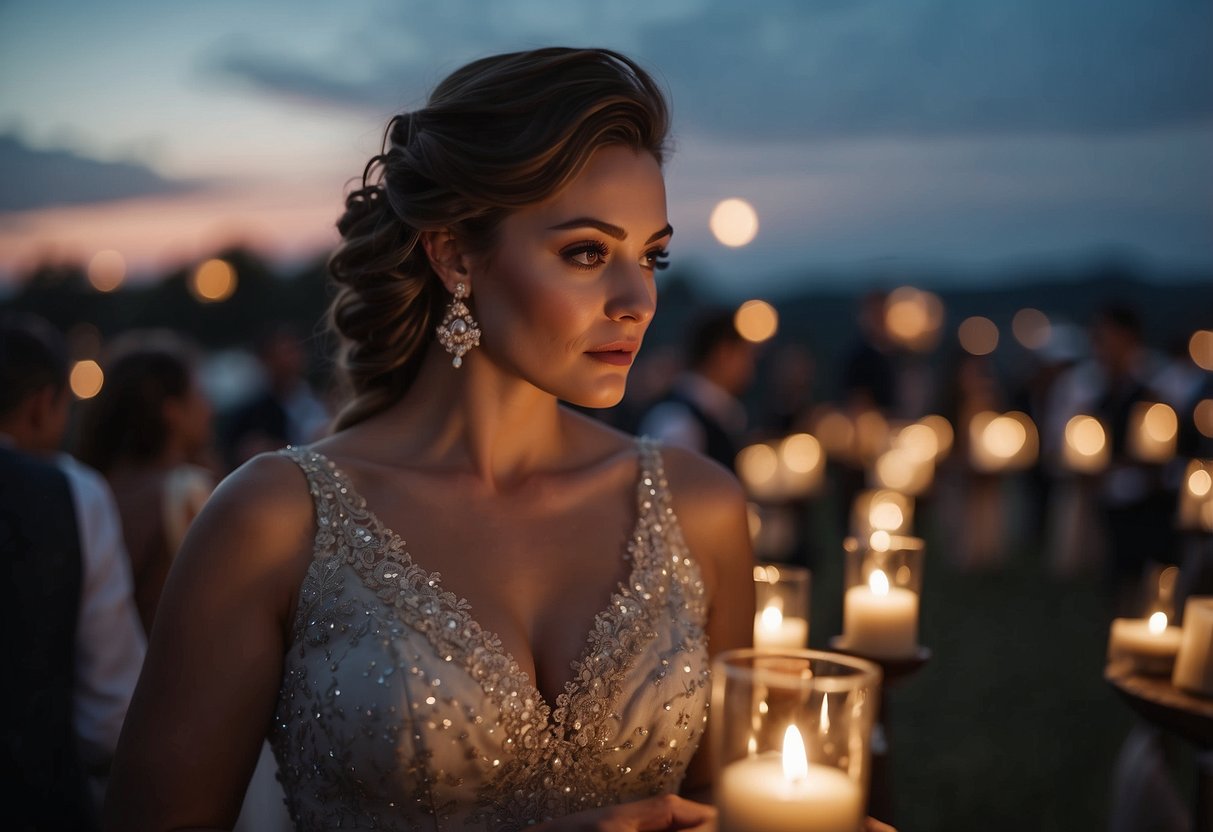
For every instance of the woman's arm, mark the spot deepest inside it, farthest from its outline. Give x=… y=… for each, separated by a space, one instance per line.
x=214 y=664
x=711 y=509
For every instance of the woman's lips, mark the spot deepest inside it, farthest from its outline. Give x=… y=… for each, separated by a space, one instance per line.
x=618 y=353
x=620 y=358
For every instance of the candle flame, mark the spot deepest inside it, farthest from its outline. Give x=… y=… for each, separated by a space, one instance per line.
x=878 y=582
x=825 y=715
x=1157 y=623
x=751 y=747
x=795 y=758
x=772 y=619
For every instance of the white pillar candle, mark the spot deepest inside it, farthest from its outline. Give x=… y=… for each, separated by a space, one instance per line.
x=879 y=620
x=1149 y=644
x=1194 y=663
x=785 y=793
x=774 y=629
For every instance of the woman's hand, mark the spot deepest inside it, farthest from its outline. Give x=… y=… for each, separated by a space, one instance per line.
x=664 y=813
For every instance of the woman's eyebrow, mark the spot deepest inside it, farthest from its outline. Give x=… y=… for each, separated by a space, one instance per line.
x=606 y=228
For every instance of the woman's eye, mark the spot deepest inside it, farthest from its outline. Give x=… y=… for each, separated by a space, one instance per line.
x=587 y=256
x=658 y=259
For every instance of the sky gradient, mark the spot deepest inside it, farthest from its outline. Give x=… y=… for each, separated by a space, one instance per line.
x=863 y=131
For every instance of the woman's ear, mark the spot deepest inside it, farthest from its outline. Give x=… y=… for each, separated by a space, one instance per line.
x=447 y=258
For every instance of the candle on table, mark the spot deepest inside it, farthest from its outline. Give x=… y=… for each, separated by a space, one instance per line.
x=1194 y=663
x=1150 y=644
x=879 y=620
x=774 y=629
x=785 y=793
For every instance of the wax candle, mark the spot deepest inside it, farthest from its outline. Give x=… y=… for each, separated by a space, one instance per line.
x=879 y=620
x=1194 y=663
x=1149 y=644
x=785 y=793
x=774 y=629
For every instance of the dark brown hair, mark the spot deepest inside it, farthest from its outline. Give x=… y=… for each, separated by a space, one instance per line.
x=125 y=421
x=498 y=134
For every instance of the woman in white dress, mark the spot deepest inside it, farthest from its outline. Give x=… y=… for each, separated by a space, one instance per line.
x=499 y=259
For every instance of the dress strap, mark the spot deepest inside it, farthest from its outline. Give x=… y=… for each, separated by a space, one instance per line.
x=332 y=496
x=652 y=488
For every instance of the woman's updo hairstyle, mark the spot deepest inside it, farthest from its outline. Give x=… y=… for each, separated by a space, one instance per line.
x=498 y=134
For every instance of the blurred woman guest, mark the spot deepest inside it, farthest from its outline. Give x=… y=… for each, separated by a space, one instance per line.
x=498 y=259
x=147 y=431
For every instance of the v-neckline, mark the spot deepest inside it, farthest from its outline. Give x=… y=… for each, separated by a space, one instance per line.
x=611 y=616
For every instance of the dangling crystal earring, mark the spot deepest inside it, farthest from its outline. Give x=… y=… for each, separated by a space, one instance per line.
x=458 y=331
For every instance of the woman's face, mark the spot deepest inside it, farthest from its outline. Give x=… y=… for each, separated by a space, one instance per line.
x=565 y=297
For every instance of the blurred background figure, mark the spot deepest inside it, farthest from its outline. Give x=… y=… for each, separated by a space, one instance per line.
x=285 y=411
x=75 y=633
x=1137 y=510
x=972 y=506
x=703 y=409
x=149 y=431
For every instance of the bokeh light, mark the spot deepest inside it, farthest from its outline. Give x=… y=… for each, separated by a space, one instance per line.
x=734 y=222
x=978 y=335
x=1031 y=328
x=757 y=464
x=1086 y=435
x=801 y=453
x=944 y=435
x=1203 y=416
x=1004 y=437
x=1160 y=422
x=756 y=321
x=107 y=270
x=1200 y=347
x=1199 y=482
x=86 y=379
x=913 y=318
x=213 y=281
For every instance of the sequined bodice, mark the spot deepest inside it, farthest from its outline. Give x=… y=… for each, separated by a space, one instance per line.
x=399 y=711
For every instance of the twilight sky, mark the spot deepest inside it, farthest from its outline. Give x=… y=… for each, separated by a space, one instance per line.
x=865 y=132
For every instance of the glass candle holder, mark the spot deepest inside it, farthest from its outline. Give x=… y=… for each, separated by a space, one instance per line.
x=781 y=596
x=791 y=735
x=883 y=584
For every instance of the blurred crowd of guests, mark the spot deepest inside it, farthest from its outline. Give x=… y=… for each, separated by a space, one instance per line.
x=88 y=538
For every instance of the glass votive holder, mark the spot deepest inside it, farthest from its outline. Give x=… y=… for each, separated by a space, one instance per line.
x=791 y=735
x=781 y=604
x=883 y=584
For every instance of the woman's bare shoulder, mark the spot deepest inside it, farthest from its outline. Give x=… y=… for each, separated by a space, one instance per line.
x=700 y=487
x=263 y=506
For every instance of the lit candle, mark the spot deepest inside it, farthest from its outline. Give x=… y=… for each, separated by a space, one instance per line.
x=1150 y=644
x=1194 y=664
x=785 y=793
x=879 y=620
x=774 y=629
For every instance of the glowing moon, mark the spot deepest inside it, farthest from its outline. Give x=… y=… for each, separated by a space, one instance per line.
x=734 y=222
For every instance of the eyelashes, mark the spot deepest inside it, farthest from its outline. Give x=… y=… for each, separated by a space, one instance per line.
x=593 y=253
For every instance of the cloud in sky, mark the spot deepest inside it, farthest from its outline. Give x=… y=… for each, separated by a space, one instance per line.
x=35 y=178
x=786 y=69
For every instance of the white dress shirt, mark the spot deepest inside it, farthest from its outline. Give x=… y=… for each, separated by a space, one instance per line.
x=109 y=638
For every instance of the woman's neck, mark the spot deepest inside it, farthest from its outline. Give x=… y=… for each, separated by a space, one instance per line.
x=478 y=418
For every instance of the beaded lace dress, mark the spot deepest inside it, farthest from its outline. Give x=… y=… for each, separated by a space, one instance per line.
x=399 y=712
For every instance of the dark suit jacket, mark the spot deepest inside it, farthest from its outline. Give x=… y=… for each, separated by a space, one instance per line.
x=40 y=570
